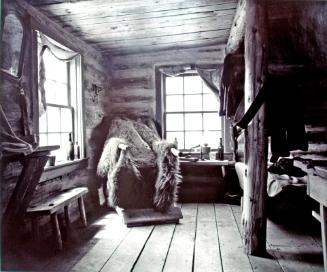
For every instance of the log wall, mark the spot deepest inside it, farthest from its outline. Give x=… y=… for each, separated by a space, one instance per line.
x=133 y=76
x=94 y=71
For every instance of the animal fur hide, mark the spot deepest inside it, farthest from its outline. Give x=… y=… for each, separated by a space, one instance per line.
x=144 y=149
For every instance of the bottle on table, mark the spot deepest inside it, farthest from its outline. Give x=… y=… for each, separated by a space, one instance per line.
x=220 y=153
x=70 y=148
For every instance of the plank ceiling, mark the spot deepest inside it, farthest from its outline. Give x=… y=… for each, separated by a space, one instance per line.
x=118 y=27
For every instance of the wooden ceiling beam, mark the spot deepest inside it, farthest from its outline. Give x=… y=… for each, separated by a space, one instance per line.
x=236 y=36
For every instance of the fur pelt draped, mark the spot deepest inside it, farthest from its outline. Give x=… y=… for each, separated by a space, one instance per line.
x=144 y=148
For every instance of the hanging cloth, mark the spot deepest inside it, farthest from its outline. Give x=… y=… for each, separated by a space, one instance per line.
x=211 y=75
x=59 y=53
x=9 y=142
x=212 y=78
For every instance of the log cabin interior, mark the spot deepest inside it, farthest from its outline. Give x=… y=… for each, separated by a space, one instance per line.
x=163 y=135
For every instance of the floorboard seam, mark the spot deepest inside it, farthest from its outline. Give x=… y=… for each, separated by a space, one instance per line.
x=221 y=259
x=113 y=252
x=138 y=256
x=171 y=240
x=196 y=225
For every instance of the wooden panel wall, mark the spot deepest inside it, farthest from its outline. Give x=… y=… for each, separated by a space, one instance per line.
x=95 y=71
x=133 y=76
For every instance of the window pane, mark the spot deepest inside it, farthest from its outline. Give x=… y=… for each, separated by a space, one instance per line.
x=54 y=68
x=43 y=123
x=212 y=121
x=192 y=139
x=50 y=91
x=66 y=120
x=54 y=138
x=174 y=85
x=56 y=92
x=193 y=85
x=193 y=121
x=53 y=119
x=178 y=135
x=210 y=102
x=193 y=103
x=174 y=122
x=206 y=88
x=43 y=139
x=212 y=138
x=174 y=103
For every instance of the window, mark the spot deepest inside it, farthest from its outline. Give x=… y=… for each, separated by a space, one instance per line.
x=190 y=112
x=63 y=114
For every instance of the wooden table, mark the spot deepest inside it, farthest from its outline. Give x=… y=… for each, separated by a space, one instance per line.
x=317 y=189
x=33 y=165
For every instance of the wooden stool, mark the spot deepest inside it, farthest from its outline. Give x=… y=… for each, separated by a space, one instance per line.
x=52 y=205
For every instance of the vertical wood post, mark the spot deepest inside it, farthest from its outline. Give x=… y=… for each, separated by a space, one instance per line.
x=254 y=209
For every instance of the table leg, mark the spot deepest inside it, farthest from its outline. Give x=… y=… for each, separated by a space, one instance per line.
x=67 y=219
x=56 y=230
x=35 y=227
x=323 y=217
x=82 y=211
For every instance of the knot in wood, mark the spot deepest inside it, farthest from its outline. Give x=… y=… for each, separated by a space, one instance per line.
x=254 y=30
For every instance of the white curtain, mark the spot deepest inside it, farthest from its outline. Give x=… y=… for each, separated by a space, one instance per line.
x=59 y=53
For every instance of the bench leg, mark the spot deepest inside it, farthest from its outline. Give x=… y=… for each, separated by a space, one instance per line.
x=67 y=219
x=35 y=227
x=56 y=230
x=82 y=211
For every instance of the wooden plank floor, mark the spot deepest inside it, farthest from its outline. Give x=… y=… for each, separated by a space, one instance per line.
x=208 y=238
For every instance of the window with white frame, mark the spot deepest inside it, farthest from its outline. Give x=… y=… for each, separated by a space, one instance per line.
x=190 y=112
x=63 y=101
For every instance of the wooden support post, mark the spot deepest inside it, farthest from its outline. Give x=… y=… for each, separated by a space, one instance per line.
x=254 y=212
x=82 y=211
x=56 y=230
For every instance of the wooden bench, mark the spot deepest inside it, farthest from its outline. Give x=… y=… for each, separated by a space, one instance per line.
x=52 y=205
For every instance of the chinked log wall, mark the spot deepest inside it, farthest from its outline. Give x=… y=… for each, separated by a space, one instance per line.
x=95 y=71
x=133 y=76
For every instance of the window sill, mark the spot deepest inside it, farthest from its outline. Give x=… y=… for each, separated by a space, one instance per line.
x=209 y=162
x=67 y=167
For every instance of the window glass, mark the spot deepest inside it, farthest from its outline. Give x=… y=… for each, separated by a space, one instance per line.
x=192 y=139
x=211 y=121
x=193 y=85
x=174 y=122
x=210 y=102
x=53 y=119
x=174 y=85
x=212 y=138
x=174 y=103
x=193 y=102
x=63 y=103
x=193 y=121
x=191 y=114
x=66 y=120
